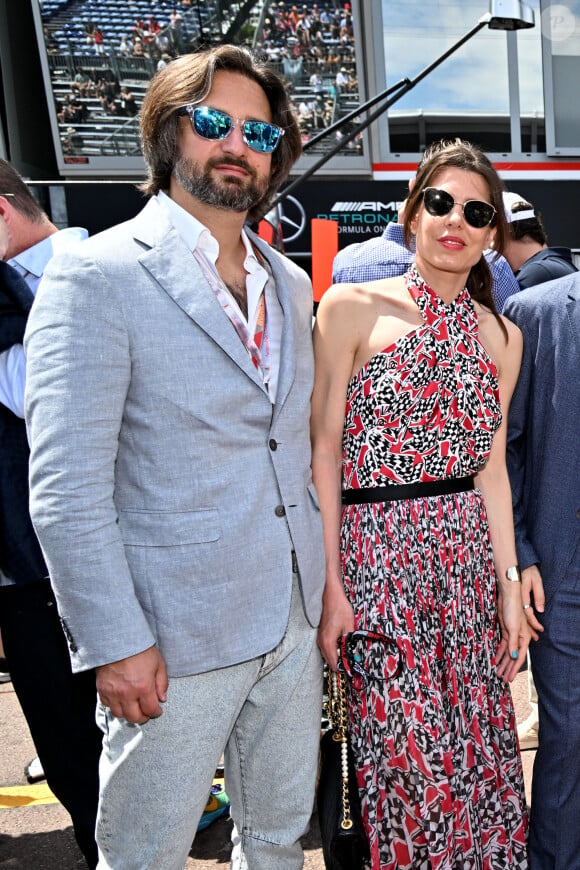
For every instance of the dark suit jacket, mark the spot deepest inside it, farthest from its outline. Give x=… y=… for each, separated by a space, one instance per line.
x=20 y=555
x=544 y=428
x=547 y=265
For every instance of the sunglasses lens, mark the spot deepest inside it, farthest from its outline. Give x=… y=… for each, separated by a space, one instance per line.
x=478 y=214
x=261 y=136
x=437 y=202
x=211 y=124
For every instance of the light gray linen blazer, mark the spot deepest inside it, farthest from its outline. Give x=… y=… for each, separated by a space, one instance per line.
x=167 y=492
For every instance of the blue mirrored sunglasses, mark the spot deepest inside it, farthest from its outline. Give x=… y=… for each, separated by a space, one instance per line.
x=212 y=124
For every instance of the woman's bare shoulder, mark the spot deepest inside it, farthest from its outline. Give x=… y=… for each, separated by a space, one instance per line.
x=504 y=348
x=365 y=293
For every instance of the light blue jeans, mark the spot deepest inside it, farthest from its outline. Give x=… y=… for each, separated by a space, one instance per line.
x=156 y=778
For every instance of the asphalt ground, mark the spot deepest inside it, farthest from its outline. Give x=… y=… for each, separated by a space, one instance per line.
x=37 y=835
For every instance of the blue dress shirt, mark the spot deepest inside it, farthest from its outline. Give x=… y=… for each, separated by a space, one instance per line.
x=30 y=264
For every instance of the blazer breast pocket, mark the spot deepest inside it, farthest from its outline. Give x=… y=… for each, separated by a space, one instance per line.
x=142 y=528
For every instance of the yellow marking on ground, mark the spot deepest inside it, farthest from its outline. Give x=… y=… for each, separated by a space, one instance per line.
x=25 y=796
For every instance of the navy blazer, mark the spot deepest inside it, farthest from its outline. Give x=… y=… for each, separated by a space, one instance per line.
x=20 y=555
x=544 y=428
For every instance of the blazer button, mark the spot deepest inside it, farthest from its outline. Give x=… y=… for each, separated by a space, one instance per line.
x=273 y=444
x=280 y=510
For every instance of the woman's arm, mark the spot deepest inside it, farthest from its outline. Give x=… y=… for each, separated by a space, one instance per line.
x=334 y=351
x=493 y=482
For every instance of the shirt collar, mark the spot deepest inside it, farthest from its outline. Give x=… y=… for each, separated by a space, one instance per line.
x=35 y=259
x=197 y=237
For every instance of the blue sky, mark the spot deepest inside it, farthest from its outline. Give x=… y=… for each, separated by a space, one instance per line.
x=416 y=32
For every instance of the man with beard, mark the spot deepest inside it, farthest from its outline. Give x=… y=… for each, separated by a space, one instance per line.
x=168 y=401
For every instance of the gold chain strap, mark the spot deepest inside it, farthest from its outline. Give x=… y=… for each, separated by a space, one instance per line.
x=338 y=715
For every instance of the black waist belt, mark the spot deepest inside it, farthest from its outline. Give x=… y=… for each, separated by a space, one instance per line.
x=399 y=491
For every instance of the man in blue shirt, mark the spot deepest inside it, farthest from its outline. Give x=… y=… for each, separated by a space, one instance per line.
x=59 y=707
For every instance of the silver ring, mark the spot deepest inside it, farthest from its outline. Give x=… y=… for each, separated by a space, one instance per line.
x=527 y=606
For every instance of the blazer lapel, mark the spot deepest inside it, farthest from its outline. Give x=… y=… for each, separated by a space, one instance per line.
x=176 y=270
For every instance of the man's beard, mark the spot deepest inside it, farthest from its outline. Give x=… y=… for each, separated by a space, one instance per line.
x=227 y=194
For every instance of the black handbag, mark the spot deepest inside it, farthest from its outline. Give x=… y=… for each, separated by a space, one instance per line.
x=344 y=843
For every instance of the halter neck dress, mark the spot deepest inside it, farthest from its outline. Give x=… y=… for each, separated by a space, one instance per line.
x=433 y=731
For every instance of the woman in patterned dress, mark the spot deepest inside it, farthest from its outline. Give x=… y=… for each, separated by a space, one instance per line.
x=420 y=552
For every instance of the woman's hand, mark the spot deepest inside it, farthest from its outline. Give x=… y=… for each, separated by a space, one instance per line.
x=337 y=620
x=515 y=632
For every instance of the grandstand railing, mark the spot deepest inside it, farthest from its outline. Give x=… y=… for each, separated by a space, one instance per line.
x=139 y=68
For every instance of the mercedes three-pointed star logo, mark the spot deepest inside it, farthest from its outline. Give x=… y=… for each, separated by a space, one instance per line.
x=292 y=218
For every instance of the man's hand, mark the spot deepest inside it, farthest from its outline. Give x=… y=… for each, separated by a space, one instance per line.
x=533 y=598
x=133 y=688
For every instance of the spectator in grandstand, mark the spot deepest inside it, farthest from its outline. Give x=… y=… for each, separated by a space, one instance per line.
x=326 y=16
x=98 y=41
x=49 y=40
x=62 y=108
x=108 y=86
x=527 y=251
x=153 y=25
x=544 y=467
x=292 y=17
x=346 y=32
x=59 y=707
x=139 y=28
x=302 y=30
x=125 y=46
x=305 y=109
x=128 y=103
x=163 y=61
x=342 y=80
x=72 y=142
x=176 y=37
x=387 y=256
x=73 y=111
x=161 y=43
x=179 y=345
x=138 y=49
x=81 y=83
x=317 y=83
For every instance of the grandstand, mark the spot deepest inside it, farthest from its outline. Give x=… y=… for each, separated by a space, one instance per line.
x=116 y=44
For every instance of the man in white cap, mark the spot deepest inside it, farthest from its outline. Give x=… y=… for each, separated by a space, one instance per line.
x=527 y=251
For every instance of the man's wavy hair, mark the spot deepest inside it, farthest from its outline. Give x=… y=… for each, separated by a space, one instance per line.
x=189 y=79
x=463 y=155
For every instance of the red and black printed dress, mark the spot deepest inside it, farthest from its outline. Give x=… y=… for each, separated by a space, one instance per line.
x=437 y=758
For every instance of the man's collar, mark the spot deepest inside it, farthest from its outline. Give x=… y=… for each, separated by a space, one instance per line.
x=33 y=260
